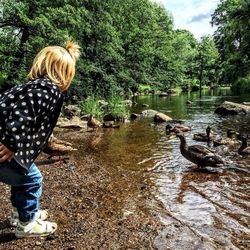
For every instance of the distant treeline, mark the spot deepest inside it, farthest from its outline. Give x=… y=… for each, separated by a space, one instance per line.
x=125 y=44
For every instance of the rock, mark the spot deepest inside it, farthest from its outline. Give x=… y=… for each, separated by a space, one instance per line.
x=162 y=94
x=74 y=122
x=246 y=103
x=134 y=116
x=75 y=99
x=160 y=117
x=145 y=105
x=149 y=113
x=171 y=91
x=232 y=108
x=38 y=243
x=102 y=103
x=108 y=124
x=72 y=110
x=109 y=117
x=128 y=103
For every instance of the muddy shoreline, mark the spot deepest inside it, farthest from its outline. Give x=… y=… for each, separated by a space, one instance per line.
x=98 y=205
x=88 y=209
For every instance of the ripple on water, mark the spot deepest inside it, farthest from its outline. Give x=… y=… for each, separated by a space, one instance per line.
x=200 y=209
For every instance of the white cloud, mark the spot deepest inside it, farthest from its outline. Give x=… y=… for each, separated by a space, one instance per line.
x=193 y=15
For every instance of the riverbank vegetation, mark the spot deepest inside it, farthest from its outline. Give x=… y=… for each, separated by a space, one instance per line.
x=126 y=45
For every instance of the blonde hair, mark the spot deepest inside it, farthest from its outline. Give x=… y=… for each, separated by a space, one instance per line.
x=56 y=63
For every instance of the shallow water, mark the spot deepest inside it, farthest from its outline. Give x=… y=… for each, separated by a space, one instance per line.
x=205 y=209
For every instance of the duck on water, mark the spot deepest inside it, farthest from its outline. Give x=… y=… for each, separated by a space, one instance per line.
x=200 y=155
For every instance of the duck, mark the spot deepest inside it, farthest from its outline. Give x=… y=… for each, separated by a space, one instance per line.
x=204 y=137
x=173 y=130
x=201 y=155
x=56 y=147
x=226 y=141
x=93 y=123
x=244 y=149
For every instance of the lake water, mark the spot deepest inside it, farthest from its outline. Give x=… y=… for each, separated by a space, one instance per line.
x=198 y=209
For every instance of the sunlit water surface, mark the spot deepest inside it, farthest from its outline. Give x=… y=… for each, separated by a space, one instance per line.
x=210 y=209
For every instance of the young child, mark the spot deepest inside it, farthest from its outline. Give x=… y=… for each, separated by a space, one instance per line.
x=29 y=113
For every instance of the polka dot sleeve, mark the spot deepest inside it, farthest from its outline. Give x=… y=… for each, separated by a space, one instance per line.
x=28 y=115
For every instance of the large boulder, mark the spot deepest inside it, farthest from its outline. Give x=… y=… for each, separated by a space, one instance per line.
x=246 y=103
x=232 y=108
x=74 y=123
x=160 y=117
x=163 y=94
x=72 y=110
x=149 y=113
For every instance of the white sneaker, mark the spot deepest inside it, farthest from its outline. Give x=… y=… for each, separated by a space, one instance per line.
x=36 y=228
x=41 y=215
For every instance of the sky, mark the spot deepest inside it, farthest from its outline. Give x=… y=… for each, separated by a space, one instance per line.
x=193 y=15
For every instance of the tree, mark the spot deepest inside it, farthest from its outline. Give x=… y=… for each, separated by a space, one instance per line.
x=27 y=26
x=232 y=38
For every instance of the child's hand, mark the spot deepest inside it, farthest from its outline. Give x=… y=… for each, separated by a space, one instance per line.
x=5 y=153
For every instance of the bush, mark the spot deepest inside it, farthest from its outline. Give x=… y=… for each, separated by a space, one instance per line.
x=117 y=107
x=91 y=106
x=242 y=85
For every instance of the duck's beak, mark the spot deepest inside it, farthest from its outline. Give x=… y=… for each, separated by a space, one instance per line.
x=172 y=137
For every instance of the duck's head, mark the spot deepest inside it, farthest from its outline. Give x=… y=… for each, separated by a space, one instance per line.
x=244 y=137
x=169 y=127
x=179 y=134
x=208 y=130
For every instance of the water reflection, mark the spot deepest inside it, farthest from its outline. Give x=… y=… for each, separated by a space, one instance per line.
x=212 y=208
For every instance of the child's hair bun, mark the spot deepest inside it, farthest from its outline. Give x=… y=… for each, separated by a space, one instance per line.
x=73 y=49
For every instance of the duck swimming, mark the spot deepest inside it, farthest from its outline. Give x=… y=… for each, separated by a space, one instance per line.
x=173 y=130
x=198 y=154
x=226 y=141
x=204 y=137
x=244 y=149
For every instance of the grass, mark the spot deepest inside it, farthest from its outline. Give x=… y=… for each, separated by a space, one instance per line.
x=117 y=107
x=92 y=106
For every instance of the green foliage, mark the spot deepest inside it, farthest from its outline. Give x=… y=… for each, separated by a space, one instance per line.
x=116 y=106
x=207 y=62
x=242 y=85
x=232 y=39
x=144 y=87
x=124 y=44
x=91 y=106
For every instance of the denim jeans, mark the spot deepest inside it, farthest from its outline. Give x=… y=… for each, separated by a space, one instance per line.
x=26 y=188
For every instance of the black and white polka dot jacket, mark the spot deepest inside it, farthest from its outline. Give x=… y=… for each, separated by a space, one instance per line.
x=28 y=115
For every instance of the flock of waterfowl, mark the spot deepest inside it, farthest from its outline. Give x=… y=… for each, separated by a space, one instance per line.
x=203 y=155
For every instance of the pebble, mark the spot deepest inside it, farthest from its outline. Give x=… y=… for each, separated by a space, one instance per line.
x=38 y=243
